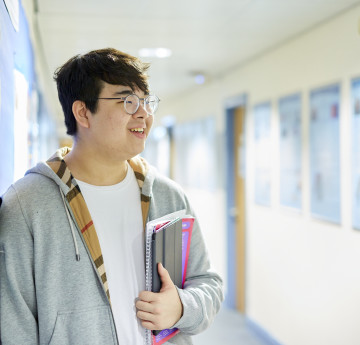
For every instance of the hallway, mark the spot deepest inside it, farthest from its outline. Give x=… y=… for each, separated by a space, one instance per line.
x=230 y=328
x=259 y=124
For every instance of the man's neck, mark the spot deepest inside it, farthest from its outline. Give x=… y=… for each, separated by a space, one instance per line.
x=88 y=166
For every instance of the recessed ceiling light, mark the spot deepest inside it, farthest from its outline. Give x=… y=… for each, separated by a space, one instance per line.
x=199 y=79
x=155 y=52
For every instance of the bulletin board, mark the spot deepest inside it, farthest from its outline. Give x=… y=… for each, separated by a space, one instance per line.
x=262 y=138
x=290 y=151
x=325 y=153
x=195 y=152
x=355 y=151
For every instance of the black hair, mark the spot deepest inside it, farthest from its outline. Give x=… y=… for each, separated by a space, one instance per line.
x=81 y=78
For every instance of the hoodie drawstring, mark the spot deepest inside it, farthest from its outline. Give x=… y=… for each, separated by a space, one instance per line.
x=77 y=254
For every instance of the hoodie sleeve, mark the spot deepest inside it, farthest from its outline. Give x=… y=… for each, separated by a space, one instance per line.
x=18 y=319
x=202 y=294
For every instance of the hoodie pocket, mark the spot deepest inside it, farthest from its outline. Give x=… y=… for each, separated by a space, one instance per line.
x=84 y=327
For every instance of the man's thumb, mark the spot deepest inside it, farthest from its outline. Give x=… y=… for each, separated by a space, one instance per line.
x=164 y=276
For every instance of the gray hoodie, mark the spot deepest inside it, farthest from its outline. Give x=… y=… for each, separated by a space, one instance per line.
x=52 y=290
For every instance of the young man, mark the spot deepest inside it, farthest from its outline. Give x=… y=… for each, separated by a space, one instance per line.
x=62 y=281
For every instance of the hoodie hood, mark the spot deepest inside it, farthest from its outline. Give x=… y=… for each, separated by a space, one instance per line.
x=56 y=169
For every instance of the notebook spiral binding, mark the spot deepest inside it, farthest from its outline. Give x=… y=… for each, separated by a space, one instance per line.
x=148 y=275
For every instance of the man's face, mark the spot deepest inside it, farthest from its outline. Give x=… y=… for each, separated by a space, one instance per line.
x=112 y=129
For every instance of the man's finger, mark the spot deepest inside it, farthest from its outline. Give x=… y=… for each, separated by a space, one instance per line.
x=148 y=296
x=144 y=306
x=165 y=277
x=148 y=325
x=144 y=316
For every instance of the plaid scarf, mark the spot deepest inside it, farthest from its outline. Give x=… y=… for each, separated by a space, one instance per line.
x=81 y=213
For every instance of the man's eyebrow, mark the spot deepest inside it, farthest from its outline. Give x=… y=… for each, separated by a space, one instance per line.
x=124 y=92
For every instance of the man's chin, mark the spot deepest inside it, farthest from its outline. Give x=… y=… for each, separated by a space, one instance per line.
x=136 y=153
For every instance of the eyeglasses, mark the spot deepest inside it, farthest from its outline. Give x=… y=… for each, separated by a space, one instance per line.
x=132 y=103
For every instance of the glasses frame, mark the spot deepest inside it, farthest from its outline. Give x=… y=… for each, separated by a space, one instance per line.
x=145 y=99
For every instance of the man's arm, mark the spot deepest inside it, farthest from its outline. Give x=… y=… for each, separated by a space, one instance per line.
x=202 y=294
x=18 y=317
x=191 y=309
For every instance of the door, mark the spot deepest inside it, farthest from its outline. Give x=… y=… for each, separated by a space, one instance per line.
x=239 y=184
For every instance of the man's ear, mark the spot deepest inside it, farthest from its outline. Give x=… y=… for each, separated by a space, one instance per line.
x=80 y=112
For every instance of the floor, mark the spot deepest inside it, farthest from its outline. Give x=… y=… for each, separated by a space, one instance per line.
x=229 y=328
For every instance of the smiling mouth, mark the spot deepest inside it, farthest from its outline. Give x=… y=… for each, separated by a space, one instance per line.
x=137 y=130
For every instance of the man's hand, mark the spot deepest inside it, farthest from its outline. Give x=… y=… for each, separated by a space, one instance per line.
x=160 y=310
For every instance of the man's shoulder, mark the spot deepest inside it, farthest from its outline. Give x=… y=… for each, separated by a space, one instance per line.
x=168 y=194
x=163 y=182
x=32 y=182
x=26 y=189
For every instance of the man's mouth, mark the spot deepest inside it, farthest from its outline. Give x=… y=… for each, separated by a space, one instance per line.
x=138 y=130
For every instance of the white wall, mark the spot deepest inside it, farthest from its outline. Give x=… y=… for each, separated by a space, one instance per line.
x=303 y=276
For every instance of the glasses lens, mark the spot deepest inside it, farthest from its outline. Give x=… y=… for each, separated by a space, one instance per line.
x=131 y=104
x=151 y=104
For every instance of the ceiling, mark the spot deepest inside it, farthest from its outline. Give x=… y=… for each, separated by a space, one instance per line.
x=207 y=36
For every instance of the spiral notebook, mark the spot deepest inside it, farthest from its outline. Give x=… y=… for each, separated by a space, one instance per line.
x=167 y=241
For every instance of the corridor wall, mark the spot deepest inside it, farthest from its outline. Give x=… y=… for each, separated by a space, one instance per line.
x=15 y=53
x=25 y=124
x=302 y=276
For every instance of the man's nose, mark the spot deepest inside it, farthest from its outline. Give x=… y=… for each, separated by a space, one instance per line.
x=141 y=112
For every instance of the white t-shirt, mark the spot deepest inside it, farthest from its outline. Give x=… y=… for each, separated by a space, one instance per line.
x=116 y=213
